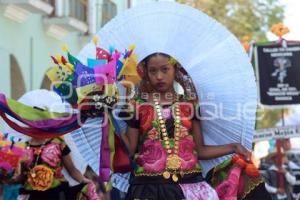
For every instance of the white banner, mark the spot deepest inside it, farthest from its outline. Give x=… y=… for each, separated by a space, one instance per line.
x=276 y=133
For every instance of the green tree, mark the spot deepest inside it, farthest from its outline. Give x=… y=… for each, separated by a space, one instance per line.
x=246 y=17
x=267 y=117
x=242 y=17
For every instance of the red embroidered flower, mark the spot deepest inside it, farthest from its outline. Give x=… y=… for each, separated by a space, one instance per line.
x=58 y=173
x=186 y=153
x=146 y=116
x=186 y=114
x=152 y=157
x=153 y=134
x=51 y=154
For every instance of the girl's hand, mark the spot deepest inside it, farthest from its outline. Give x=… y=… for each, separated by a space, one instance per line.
x=241 y=150
x=86 y=180
x=280 y=191
x=283 y=171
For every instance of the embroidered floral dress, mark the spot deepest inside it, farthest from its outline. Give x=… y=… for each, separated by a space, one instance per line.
x=43 y=172
x=152 y=178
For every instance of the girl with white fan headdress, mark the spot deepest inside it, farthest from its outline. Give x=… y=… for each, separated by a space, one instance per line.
x=165 y=139
x=168 y=137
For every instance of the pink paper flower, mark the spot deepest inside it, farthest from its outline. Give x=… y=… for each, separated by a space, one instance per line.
x=228 y=189
x=152 y=157
x=186 y=153
x=91 y=192
x=51 y=154
x=166 y=113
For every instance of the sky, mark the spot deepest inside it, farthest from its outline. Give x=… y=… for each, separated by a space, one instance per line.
x=292 y=19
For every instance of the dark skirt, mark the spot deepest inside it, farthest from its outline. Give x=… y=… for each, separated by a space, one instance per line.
x=155 y=192
x=158 y=188
x=259 y=192
x=51 y=194
x=62 y=192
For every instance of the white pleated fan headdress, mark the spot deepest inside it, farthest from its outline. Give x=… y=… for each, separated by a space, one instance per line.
x=212 y=56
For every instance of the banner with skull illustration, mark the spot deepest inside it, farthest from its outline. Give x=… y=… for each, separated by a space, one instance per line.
x=278 y=73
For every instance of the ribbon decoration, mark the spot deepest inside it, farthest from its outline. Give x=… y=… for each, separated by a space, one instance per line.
x=41 y=124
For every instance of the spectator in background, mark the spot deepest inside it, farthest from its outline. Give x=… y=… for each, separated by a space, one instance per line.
x=272 y=186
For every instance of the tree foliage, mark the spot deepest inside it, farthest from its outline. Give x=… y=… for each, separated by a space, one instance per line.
x=251 y=18
x=242 y=17
x=267 y=117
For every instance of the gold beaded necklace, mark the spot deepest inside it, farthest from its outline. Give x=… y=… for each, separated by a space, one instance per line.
x=173 y=160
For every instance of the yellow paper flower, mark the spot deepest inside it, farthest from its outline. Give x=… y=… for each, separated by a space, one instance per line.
x=65 y=48
x=58 y=58
x=40 y=178
x=279 y=29
x=172 y=61
x=69 y=67
x=95 y=40
x=246 y=43
x=131 y=47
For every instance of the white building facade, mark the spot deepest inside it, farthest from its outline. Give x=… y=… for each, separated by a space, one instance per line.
x=33 y=30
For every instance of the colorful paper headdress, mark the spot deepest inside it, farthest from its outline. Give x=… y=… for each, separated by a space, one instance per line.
x=90 y=87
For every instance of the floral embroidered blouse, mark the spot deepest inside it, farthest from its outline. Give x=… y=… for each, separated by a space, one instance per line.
x=151 y=155
x=43 y=171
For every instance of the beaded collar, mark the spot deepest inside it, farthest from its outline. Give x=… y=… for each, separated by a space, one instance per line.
x=173 y=160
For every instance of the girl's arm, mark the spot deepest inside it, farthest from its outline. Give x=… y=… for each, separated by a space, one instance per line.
x=206 y=152
x=130 y=138
x=73 y=171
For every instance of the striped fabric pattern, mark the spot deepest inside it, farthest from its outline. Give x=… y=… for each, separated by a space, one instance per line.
x=88 y=140
x=121 y=181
